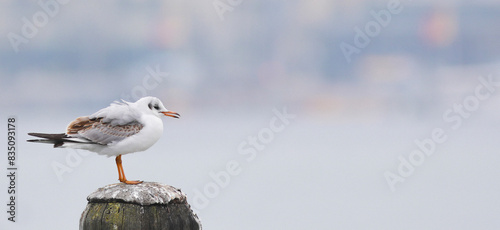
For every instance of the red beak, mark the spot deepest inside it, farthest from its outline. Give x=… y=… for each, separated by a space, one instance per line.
x=171 y=114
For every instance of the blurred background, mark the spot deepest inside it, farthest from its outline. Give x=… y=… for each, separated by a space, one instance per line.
x=226 y=67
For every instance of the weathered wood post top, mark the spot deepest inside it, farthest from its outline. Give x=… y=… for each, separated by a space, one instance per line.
x=148 y=205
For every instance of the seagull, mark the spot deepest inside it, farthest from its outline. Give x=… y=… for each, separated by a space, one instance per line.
x=121 y=128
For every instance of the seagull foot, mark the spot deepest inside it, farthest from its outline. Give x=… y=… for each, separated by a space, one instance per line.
x=132 y=181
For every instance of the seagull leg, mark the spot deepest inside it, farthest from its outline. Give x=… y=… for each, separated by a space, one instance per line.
x=118 y=160
x=121 y=173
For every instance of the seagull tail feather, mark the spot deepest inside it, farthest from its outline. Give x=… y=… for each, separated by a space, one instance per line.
x=57 y=139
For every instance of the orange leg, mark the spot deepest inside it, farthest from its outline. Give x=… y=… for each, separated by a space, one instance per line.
x=121 y=173
x=118 y=160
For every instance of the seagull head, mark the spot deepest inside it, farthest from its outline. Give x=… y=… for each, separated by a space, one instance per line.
x=154 y=105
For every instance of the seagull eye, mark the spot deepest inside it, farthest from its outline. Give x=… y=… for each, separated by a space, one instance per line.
x=157 y=107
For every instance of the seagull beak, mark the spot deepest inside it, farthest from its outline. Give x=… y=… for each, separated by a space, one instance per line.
x=171 y=114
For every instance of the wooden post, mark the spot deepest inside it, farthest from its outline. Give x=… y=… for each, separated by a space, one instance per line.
x=148 y=205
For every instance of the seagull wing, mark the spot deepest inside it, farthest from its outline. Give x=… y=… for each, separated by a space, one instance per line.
x=118 y=113
x=98 y=131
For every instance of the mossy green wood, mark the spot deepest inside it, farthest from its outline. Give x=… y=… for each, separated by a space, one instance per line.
x=106 y=212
